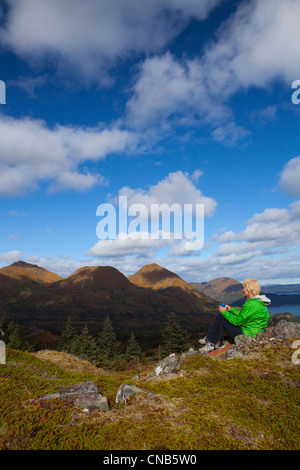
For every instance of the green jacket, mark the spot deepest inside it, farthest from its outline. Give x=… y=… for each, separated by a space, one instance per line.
x=252 y=318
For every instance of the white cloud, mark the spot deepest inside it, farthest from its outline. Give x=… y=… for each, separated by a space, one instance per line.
x=274 y=227
x=226 y=237
x=290 y=177
x=61 y=266
x=268 y=249
x=267 y=269
x=136 y=244
x=10 y=257
x=91 y=36
x=273 y=234
x=258 y=44
x=231 y=134
x=173 y=191
x=167 y=88
x=176 y=188
x=255 y=47
x=186 y=248
x=264 y=115
x=31 y=152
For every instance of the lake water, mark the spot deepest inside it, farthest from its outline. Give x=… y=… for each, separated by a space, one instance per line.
x=293 y=309
x=284 y=293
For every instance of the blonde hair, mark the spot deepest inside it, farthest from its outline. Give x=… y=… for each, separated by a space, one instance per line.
x=252 y=285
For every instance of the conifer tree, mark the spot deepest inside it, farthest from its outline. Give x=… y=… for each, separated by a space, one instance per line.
x=14 y=340
x=173 y=337
x=67 y=336
x=109 y=346
x=133 y=349
x=85 y=346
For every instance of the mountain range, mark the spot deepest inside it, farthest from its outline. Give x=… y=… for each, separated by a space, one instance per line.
x=141 y=303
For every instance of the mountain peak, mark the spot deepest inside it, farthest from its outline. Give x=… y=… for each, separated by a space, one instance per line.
x=152 y=267
x=98 y=277
x=153 y=276
x=156 y=277
x=20 y=270
x=23 y=264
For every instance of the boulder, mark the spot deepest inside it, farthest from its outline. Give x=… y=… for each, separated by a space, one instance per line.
x=286 y=330
x=233 y=352
x=242 y=340
x=283 y=330
x=189 y=353
x=168 y=365
x=125 y=391
x=84 y=395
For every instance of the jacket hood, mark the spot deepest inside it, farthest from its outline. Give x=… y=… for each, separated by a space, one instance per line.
x=263 y=298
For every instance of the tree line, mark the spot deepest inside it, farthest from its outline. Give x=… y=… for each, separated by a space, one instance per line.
x=103 y=350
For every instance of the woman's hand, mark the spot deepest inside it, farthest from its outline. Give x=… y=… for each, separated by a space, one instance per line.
x=221 y=309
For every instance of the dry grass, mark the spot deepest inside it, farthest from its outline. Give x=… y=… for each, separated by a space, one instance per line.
x=68 y=362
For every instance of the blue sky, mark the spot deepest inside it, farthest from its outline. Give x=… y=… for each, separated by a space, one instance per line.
x=168 y=101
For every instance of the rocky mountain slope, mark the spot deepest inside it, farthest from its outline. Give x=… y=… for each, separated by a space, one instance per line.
x=25 y=272
x=35 y=297
x=223 y=289
x=155 y=277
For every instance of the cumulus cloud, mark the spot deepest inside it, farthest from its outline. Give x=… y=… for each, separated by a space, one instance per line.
x=31 y=152
x=227 y=236
x=268 y=249
x=91 y=36
x=264 y=115
x=231 y=134
x=258 y=44
x=167 y=88
x=267 y=235
x=134 y=244
x=255 y=47
x=274 y=227
x=290 y=177
x=62 y=265
x=10 y=257
x=176 y=188
x=166 y=198
x=266 y=269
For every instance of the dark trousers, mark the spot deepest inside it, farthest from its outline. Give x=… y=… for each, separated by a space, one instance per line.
x=220 y=324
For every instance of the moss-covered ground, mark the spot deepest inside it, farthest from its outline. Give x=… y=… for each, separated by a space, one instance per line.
x=242 y=403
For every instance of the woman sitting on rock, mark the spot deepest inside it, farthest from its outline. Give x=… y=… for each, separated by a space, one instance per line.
x=250 y=320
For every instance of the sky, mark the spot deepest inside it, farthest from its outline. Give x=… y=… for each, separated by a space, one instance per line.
x=158 y=102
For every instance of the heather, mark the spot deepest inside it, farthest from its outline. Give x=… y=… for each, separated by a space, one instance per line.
x=249 y=402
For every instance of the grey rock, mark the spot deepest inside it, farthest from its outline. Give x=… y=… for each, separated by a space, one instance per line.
x=286 y=330
x=233 y=352
x=282 y=331
x=265 y=336
x=191 y=352
x=168 y=365
x=125 y=391
x=83 y=395
x=242 y=340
